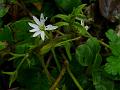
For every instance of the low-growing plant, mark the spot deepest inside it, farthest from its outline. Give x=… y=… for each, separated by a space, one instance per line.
x=56 y=53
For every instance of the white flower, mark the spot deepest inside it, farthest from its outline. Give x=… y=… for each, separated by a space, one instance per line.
x=82 y=23
x=39 y=28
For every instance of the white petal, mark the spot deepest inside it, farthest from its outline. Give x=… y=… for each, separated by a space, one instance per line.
x=41 y=16
x=46 y=18
x=50 y=27
x=36 y=20
x=43 y=35
x=33 y=30
x=42 y=19
x=86 y=27
x=36 y=34
x=33 y=25
x=82 y=22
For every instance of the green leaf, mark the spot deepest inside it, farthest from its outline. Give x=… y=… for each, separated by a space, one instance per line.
x=67 y=46
x=97 y=62
x=60 y=24
x=114 y=42
x=15 y=56
x=113 y=65
x=87 y=53
x=80 y=17
x=46 y=48
x=2 y=45
x=13 y=76
x=63 y=17
x=32 y=1
x=80 y=28
x=54 y=43
x=22 y=48
x=101 y=83
x=94 y=45
x=3 y=11
x=8 y=73
x=6 y=34
x=13 y=1
x=67 y=5
x=84 y=55
x=21 y=30
x=115 y=47
x=111 y=35
x=32 y=79
x=113 y=61
x=78 y=11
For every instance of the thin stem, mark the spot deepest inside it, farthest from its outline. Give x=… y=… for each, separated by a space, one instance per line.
x=45 y=69
x=18 y=67
x=48 y=61
x=58 y=78
x=60 y=32
x=47 y=34
x=41 y=58
x=104 y=44
x=89 y=35
x=70 y=40
x=71 y=74
x=74 y=79
x=56 y=60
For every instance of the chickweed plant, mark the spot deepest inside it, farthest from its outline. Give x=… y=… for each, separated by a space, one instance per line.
x=55 y=51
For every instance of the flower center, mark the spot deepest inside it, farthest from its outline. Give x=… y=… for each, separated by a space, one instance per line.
x=42 y=27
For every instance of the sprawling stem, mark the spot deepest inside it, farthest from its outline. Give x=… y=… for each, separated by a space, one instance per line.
x=62 y=72
x=71 y=74
x=104 y=44
x=41 y=58
x=56 y=60
x=73 y=78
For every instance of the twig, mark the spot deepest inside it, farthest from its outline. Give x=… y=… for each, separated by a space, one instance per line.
x=58 y=78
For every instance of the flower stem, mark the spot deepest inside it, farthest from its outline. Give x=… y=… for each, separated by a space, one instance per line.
x=56 y=60
x=71 y=74
x=45 y=69
x=74 y=79
x=41 y=58
x=62 y=72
